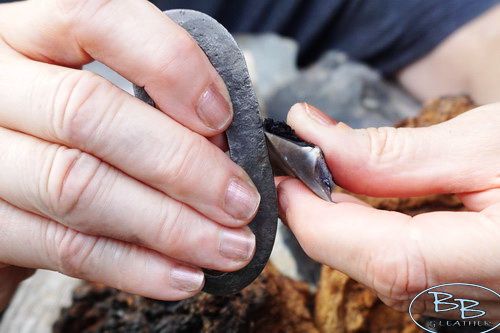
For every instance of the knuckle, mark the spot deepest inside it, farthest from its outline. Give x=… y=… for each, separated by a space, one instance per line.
x=172 y=230
x=73 y=252
x=77 y=103
x=77 y=23
x=387 y=144
x=398 y=273
x=79 y=10
x=73 y=181
x=388 y=275
x=180 y=161
x=180 y=51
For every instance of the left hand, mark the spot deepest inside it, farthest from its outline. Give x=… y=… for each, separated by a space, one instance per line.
x=98 y=185
x=394 y=254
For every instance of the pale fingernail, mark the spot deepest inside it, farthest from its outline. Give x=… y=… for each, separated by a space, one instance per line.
x=242 y=199
x=213 y=109
x=186 y=278
x=317 y=116
x=343 y=126
x=238 y=244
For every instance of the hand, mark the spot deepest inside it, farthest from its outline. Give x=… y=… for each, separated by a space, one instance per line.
x=98 y=185
x=397 y=255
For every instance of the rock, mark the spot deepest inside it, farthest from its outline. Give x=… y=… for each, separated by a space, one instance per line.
x=110 y=75
x=271 y=61
x=348 y=91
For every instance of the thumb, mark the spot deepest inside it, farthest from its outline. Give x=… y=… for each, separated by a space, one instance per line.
x=456 y=156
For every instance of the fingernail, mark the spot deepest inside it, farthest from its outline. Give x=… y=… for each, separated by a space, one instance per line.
x=186 y=278
x=237 y=244
x=213 y=109
x=242 y=199
x=317 y=116
x=343 y=126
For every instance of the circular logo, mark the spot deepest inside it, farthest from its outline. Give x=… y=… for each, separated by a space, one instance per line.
x=456 y=305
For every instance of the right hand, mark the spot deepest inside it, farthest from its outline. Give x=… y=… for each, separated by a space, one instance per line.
x=394 y=254
x=95 y=183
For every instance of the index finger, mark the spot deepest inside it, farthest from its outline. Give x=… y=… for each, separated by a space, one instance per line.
x=132 y=37
x=391 y=252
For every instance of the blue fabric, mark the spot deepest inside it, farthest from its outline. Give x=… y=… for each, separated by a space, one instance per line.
x=387 y=34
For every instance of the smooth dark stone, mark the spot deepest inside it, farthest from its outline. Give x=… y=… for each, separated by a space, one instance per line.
x=247 y=144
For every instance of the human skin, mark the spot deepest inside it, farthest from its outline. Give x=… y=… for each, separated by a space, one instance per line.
x=394 y=254
x=467 y=62
x=99 y=185
x=134 y=238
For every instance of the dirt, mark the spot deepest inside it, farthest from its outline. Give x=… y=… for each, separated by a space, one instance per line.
x=272 y=303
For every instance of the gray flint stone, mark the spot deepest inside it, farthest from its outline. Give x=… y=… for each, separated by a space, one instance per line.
x=348 y=91
x=246 y=140
x=271 y=61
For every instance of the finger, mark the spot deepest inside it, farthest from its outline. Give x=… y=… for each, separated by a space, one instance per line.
x=81 y=110
x=279 y=179
x=343 y=197
x=395 y=254
x=453 y=157
x=336 y=196
x=147 y=48
x=82 y=192
x=477 y=201
x=28 y=240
